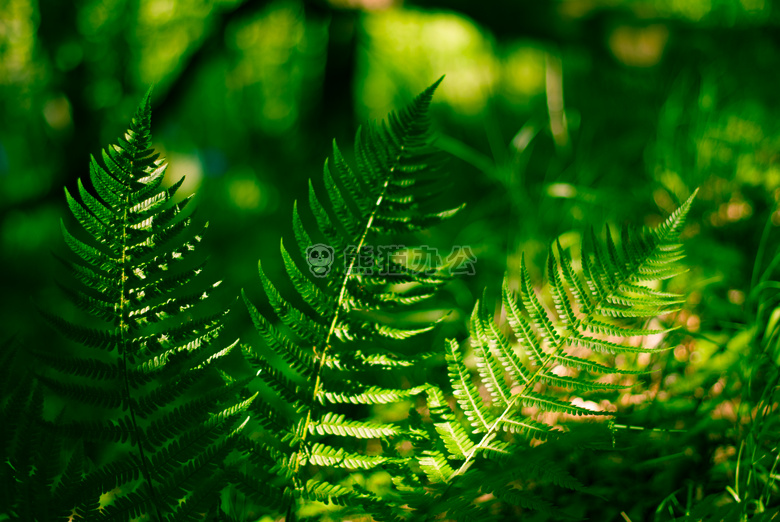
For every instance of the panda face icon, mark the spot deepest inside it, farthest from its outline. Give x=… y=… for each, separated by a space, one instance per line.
x=320 y=258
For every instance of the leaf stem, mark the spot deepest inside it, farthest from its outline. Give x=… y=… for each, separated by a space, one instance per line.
x=124 y=328
x=332 y=329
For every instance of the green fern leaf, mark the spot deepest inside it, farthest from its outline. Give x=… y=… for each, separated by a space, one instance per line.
x=436 y=467
x=323 y=342
x=334 y=424
x=453 y=435
x=584 y=313
x=134 y=273
x=40 y=476
x=478 y=414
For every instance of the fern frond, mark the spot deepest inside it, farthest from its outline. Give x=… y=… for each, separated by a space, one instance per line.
x=584 y=307
x=133 y=270
x=323 y=342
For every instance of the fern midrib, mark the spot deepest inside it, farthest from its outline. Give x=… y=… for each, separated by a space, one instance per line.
x=124 y=327
x=571 y=330
x=337 y=311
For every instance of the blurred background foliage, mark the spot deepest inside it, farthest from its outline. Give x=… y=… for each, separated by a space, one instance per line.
x=557 y=115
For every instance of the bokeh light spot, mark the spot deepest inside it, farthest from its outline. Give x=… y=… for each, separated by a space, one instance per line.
x=57 y=113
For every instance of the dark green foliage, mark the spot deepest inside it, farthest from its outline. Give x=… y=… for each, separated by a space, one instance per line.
x=758 y=461
x=149 y=367
x=559 y=115
x=40 y=476
x=180 y=438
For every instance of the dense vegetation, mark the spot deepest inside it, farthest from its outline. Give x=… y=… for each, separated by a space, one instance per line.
x=543 y=288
